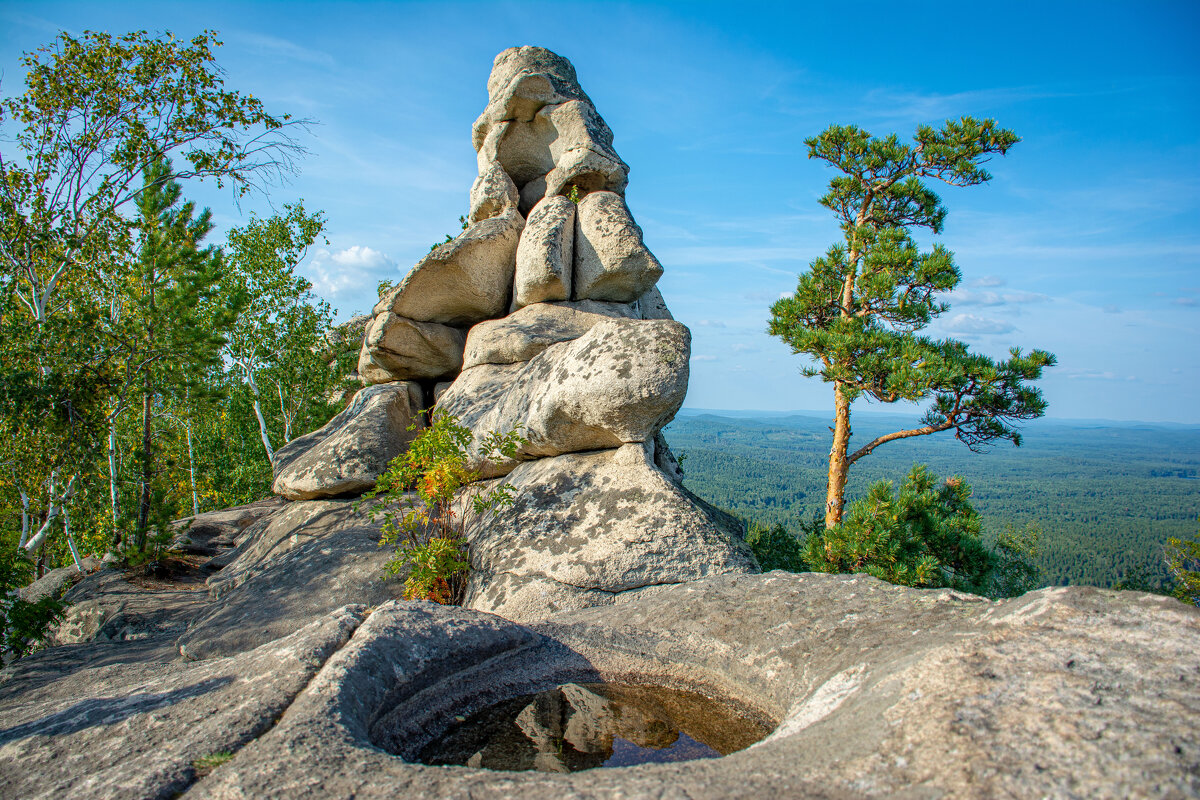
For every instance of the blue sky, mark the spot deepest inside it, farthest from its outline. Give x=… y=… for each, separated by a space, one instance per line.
x=1086 y=243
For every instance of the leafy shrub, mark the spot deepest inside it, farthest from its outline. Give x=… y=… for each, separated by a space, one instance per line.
x=776 y=548
x=23 y=625
x=425 y=516
x=927 y=535
x=1183 y=562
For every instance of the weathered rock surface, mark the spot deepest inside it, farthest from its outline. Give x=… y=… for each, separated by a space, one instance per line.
x=219 y=531
x=652 y=306
x=585 y=528
x=879 y=691
x=400 y=349
x=493 y=193
x=611 y=261
x=56 y=581
x=545 y=253
x=523 y=334
x=463 y=281
x=107 y=606
x=305 y=561
x=135 y=730
x=352 y=449
x=618 y=383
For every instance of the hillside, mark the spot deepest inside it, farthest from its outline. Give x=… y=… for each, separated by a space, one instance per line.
x=1106 y=494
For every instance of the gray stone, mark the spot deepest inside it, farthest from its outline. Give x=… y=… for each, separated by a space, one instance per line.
x=620 y=382
x=463 y=281
x=307 y=560
x=400 y=349
x=522 y=81
x=57 y=581
x=611 y=261
x=877 y=691
x=352 y=449
x=135 y=730
x=111 y=606
x=652 y=306
x=493 y=193
x=582 y=150
x=586 y=527
x=523 y=334
x=215 y=532
x=544 y=255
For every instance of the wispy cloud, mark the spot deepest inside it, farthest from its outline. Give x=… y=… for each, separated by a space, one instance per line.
x=266 y=44
x=973 y=324
x=700 y=357
x=970 y=297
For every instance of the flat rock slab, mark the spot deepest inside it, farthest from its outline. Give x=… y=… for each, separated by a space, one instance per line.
x=214 y=532
x=878 y=691
x=307 y=560
x=134 y=730
x=108 y=606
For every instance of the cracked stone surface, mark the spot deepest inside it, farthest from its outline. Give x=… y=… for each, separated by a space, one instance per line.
x=585 y=527
x=134 y=729
x=873 y=690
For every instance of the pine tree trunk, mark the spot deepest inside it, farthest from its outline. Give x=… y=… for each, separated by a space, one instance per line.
x=839 y=466
x=143 y=519
x=192 y=470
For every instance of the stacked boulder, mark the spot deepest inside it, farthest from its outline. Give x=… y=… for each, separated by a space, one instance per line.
x=542 y=316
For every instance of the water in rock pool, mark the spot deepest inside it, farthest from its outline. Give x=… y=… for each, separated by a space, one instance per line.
x=580 y=726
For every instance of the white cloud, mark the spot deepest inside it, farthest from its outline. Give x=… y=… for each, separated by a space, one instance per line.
x=989 y=280
x=347 y=278
x=970 y=323
x=709 y=323
x=696 y=357
x=971 y=297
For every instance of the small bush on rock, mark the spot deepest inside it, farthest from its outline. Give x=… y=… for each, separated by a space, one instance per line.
x=425 y=516
x=926 y=535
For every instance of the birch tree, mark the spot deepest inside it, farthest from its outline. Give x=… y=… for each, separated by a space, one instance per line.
x=95 y=111
x=277 y=340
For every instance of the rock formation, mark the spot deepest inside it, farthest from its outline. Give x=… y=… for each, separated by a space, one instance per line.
x=542 y=315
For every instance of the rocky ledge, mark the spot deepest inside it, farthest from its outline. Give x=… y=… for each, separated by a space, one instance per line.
x=872 y=690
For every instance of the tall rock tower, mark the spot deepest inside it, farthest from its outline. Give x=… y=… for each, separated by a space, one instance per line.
x=543 y=313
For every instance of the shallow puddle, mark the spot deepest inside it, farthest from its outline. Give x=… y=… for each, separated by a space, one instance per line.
x=580 y=726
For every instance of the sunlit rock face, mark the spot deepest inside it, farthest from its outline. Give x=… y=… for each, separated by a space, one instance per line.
x=542 y=316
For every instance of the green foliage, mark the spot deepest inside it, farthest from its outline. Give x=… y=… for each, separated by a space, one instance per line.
x=425 y=517
x=927 y=535
x=776 y=548
x=857 y=311
x=102 y=284
x=573 y=194
x=1183 y=562
x=168 y=319
x=277 y=343
x=206 y=764
x=23 y=625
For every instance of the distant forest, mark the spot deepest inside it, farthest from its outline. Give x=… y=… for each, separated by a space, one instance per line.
x=1105 y=495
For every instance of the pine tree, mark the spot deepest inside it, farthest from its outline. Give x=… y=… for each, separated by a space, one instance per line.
x=858 y=309
x=165 y=317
